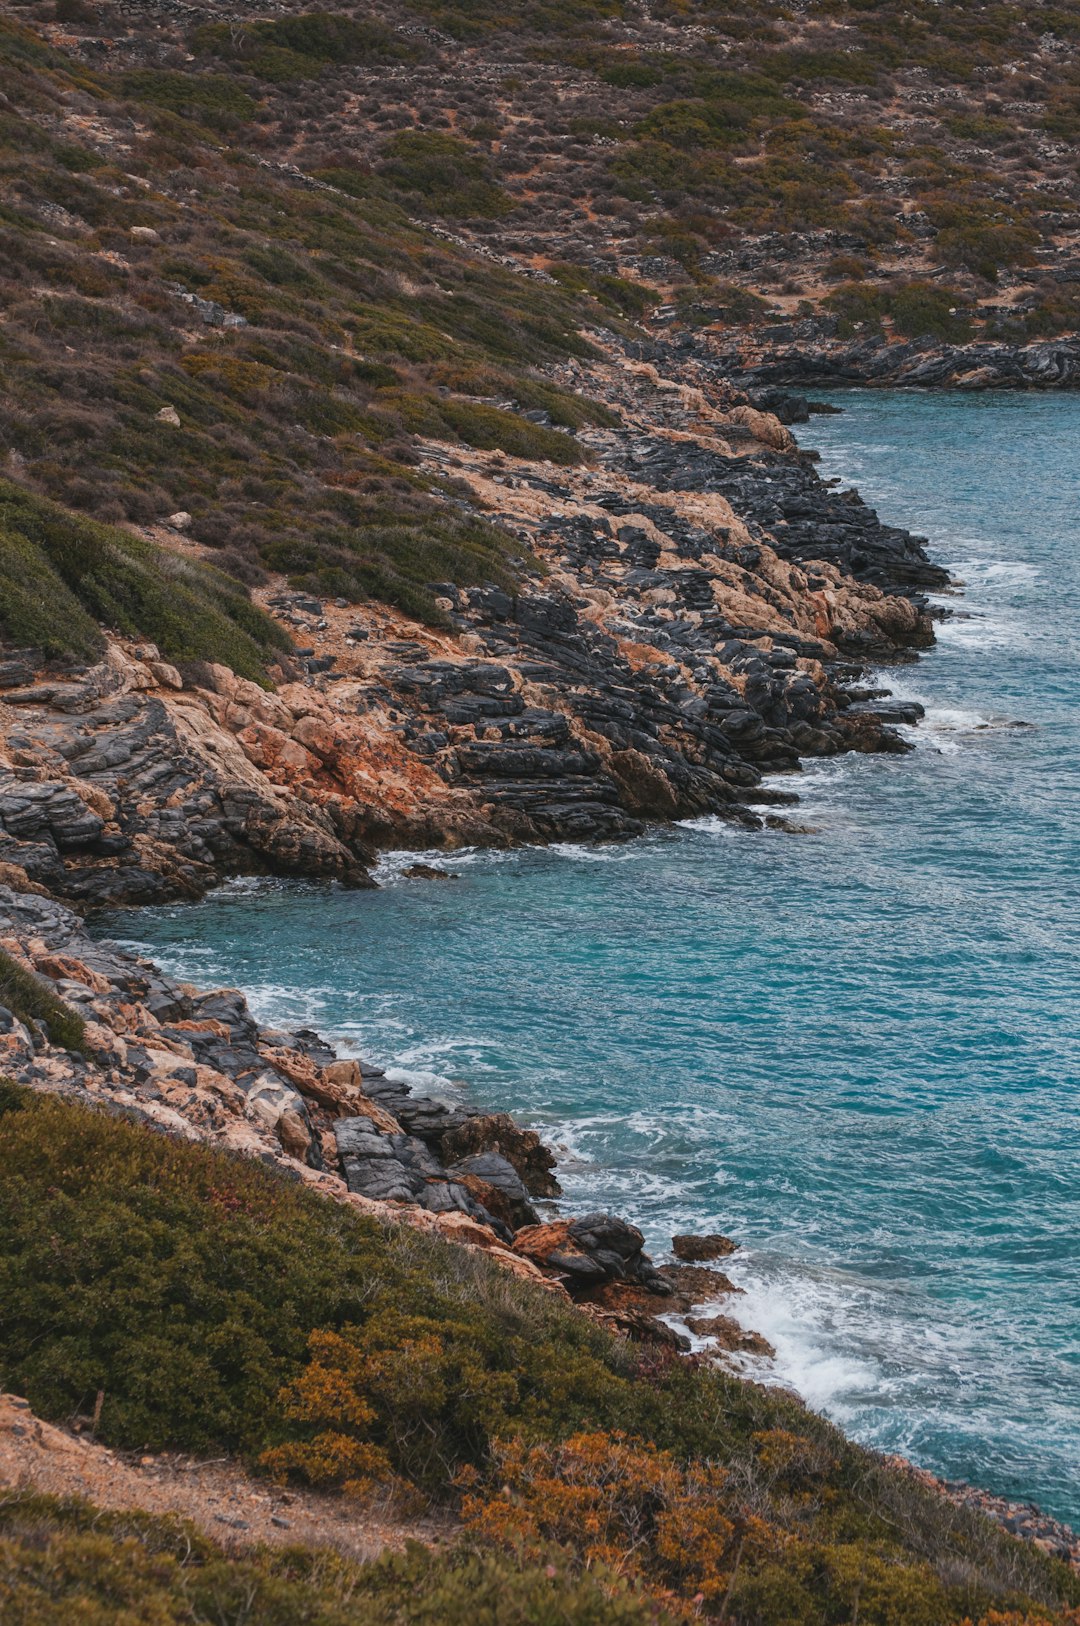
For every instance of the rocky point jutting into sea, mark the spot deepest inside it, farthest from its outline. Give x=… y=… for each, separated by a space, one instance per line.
x=701 y=613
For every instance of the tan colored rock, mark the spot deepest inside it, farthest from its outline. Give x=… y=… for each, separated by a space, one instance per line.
x=697 y=1249
x=205 y=1024
x=726 y=1332
x=166 y=675
x=764 y=427
x=693 y=1284
x=61 y=966
x=316 y=736
x=364 y=1107
x=293 y=1134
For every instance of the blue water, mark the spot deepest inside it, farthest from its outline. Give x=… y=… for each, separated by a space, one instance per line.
x=858 y=1051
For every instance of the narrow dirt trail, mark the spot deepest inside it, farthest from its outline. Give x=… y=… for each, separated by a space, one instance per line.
x=230 y=1505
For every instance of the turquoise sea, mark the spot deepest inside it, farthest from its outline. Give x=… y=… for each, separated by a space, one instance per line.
x=857 y=1051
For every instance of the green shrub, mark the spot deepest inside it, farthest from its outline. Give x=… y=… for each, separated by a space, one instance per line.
x=617 y=293
x=446 y=173
x=287 y=49
x=567 y=410
x=919 y=308
x=63 y=576
x=916 y=309
x=195 y=95
x=982 y=237
x=187 y=1285
x=333 y=37
x=31 y=999
x=68 y=1561
x=488 y=428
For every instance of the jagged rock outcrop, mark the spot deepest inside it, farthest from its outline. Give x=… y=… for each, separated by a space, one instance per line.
x=698 y=600
x=809 y=354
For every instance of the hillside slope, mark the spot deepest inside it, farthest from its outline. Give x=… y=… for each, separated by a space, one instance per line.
x=216 y=1306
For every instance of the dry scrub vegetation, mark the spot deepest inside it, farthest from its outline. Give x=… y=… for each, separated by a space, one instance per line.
x=229 y=289
x=220 y=1308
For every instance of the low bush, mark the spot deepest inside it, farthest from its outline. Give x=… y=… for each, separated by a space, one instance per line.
x=445 y=172
x=67 y=1561
x=219 y=1306
x=63 y=576
x=488 y=428
x=982 y=237
x=212 y=97
x=31 y=999
x=915 y=309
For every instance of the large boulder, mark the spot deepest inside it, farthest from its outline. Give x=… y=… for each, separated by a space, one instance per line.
x=695 y=1250
x=497 y=1132
x=495 y=1183
x=589 y=1251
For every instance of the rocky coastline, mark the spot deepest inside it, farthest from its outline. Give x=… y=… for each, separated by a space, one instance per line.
x=701 y=613
x=697 y=611
x=197 y=1064
x=812 y=352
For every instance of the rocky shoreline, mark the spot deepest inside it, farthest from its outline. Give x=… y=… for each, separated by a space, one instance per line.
x=699 y=614
x=196 y=1064
x=696 y=611
x=812 y=353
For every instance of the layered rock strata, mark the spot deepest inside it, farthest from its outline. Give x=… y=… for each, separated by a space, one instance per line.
x=694 y=612
x=811 y=353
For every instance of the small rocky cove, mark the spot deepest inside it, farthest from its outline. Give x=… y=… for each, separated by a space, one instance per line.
x=199 y=1065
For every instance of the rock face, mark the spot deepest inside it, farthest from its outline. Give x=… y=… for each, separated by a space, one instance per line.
x=119 y=785
x=811 y=355
x=701 y=599
x=397 y=1168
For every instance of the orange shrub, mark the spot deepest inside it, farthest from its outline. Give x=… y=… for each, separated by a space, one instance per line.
x=623 y=1505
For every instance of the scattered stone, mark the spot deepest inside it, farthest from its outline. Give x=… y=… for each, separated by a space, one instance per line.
x=690 y=1285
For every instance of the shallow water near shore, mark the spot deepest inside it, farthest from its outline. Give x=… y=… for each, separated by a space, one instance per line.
x=858 y=1051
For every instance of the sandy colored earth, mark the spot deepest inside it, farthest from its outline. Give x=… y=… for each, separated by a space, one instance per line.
x=231 y=1506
